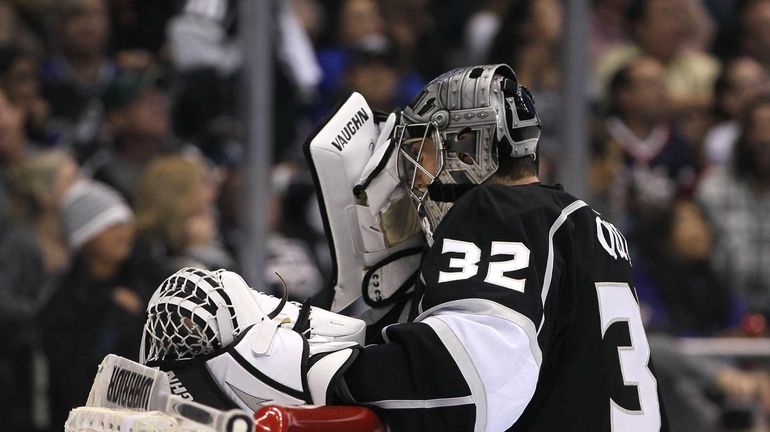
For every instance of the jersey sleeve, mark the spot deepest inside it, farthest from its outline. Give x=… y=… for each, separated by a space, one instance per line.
x=448 y=372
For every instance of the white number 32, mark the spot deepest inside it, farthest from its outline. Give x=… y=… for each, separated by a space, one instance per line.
x=467 y=267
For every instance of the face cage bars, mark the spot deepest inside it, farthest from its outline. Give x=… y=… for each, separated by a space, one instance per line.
x=430 y=129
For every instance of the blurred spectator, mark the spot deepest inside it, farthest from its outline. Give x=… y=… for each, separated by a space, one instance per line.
x=374 y=74
x=362 y=29
x=139 y=127
x=676 y=284
x=480 y=30
x=658 y=161
x=176 y=216
x=203 y=114
x=77 y=73
x=18 y=75
x=206 y=57
x=705 y=394
x=701 y=25
x=207 y=53
x=608 y=26
x=198 y=38
x=14 y=145
x=605 y=174
x=755 y=31
x=359 y=22
x=36 y=187
x=293 y=246
x=140 y=24
x=414 y=31
x=664 y=30
x=741 y=80
x=311 y=16
x=737 y=201
x=298 y=74
x=33 y=255
x=14 y=32
x=529 y=39
x=295 y=54
x=97 y=309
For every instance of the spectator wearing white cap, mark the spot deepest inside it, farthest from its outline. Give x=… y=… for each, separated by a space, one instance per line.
x=97 y=308
x=91 y=208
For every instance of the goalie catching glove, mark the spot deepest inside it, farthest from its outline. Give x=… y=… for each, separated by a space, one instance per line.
x=226 y=345
x=373 y=229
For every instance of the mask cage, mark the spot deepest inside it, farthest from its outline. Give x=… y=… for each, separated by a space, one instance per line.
x=419 y=143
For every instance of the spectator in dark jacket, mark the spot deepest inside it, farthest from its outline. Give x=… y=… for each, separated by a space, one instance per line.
x=676 y=284
x=33 y=256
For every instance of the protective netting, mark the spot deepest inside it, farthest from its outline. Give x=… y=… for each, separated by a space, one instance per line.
x=185 y=315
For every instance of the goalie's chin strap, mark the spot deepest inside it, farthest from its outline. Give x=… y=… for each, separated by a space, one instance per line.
x=448 y=192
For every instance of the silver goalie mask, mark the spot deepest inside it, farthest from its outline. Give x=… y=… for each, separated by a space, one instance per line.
x=457 y=129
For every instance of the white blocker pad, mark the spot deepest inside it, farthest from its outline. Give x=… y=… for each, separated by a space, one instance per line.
x=253 y=373
x=344 y=147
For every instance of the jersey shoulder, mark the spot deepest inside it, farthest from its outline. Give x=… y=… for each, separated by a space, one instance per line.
x=497 y=209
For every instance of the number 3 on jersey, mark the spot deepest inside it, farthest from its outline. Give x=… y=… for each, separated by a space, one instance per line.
x=467 y=267
x=617 y=303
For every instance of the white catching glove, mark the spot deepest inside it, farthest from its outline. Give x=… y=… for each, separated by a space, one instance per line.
x=373 y=230
x=390 y=227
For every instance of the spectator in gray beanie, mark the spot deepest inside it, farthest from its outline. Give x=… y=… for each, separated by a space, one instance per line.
x=89 y=208
x=98 y=307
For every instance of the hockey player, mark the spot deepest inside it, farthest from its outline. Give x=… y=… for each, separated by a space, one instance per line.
x=524 y=316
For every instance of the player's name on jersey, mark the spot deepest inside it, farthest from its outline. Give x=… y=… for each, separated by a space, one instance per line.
x=612 y=240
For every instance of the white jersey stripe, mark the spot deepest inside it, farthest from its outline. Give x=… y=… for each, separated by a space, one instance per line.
x=421 y=404
x=549 y=264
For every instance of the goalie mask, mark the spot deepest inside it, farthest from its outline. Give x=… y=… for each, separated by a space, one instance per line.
x=195 y=312
x=457 y=130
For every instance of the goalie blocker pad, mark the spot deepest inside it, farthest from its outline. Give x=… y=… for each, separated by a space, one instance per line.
x=247 y=377
x=365 y=262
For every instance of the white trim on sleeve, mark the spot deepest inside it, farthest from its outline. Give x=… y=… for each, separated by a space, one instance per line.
x=549 y=264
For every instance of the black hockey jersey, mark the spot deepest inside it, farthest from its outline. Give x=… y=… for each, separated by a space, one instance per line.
x=547 y=262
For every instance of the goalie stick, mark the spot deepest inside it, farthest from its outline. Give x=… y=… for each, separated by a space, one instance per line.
x=122 y=383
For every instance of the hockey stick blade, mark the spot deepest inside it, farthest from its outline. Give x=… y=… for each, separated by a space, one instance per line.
x=122 y=383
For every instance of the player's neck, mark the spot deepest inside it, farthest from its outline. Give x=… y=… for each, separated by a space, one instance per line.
x=513 y=182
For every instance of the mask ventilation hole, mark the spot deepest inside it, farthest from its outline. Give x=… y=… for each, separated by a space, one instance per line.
x=476 y=72
x=427 y=107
